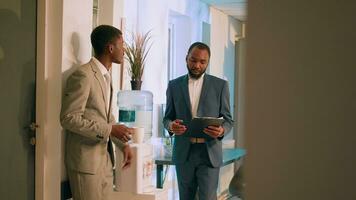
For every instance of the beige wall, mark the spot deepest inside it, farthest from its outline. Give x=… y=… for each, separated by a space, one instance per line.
x=300 y=100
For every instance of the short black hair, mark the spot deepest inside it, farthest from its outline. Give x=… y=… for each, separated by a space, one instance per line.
x=103 y=35
x=199 y=45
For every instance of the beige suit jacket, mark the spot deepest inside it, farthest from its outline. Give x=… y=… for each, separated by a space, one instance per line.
x=87 y=120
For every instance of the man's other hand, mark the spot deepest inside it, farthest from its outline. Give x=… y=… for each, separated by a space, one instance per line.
x=126 y=163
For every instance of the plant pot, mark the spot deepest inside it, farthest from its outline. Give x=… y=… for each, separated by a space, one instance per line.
x=136 y=85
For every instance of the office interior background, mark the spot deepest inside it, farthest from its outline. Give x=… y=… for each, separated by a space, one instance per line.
x=290 y=67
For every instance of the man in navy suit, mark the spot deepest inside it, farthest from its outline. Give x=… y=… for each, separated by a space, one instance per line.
x=197 y=94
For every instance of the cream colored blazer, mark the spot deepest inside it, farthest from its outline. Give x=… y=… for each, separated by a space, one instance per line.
x=87 y=122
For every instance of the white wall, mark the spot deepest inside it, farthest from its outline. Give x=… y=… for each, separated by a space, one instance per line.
x=182 y=40
x=224 y=31
x=154 y=15
x=76 y=46
x=300 y=100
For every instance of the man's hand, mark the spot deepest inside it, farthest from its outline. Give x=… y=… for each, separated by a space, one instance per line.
x=126 y=163
x=121 y=132
x=214 y=131
x=177 y=127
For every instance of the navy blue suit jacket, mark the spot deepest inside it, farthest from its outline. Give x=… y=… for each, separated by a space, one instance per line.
x=214 y=102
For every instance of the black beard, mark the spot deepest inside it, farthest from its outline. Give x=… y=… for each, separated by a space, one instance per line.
x=195 y=76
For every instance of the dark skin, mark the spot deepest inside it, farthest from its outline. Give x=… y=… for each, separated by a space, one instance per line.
x=197 y=62
x=114 y=53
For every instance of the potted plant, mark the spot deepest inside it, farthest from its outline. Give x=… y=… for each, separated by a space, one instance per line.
x=136 y=53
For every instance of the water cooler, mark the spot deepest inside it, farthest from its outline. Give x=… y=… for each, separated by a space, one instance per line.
x=135 y=183
x=135 y=110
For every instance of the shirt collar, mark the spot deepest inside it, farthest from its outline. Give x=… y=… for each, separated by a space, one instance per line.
x=193 y=79
x=101 y=67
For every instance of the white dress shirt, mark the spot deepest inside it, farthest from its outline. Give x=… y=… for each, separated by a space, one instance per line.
x=195 y=86
x=107 y=78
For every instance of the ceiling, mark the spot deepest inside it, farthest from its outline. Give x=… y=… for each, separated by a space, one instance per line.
x=234 y=8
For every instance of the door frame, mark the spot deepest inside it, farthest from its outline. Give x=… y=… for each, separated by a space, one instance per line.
x=48 y=96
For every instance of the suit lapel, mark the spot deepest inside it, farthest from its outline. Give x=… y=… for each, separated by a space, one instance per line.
x=185 y=92
x=101 y=81
x=204 y=92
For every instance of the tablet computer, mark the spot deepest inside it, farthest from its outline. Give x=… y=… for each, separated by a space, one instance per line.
x=196 y=126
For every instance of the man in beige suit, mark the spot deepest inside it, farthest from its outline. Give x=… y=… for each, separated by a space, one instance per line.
x=86 y=115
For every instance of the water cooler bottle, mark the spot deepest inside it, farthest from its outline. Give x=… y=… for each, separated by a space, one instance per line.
x=135 y=110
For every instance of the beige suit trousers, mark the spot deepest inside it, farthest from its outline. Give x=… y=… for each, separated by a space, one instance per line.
x=97 y=186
